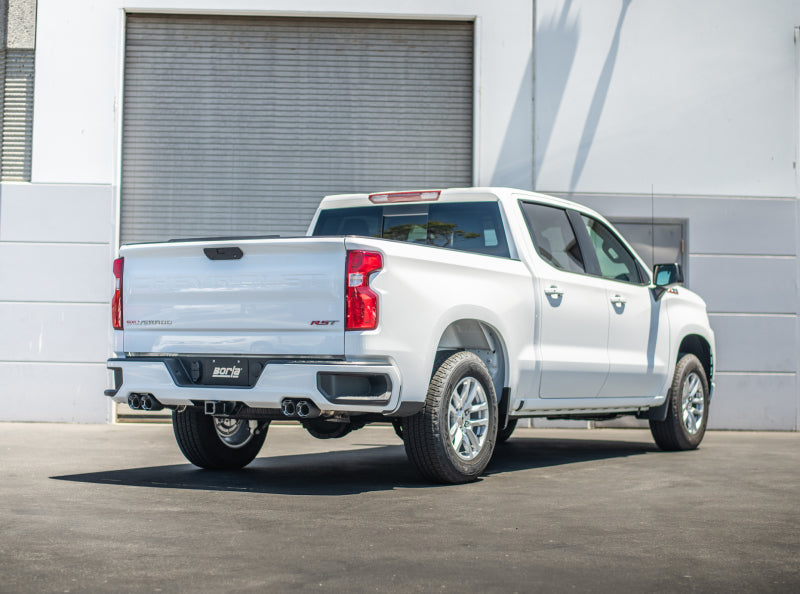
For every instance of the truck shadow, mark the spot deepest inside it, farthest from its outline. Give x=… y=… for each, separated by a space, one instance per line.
x=348 y=472
x=536 y=452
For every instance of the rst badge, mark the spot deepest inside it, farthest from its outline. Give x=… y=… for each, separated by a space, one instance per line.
x=324 y=322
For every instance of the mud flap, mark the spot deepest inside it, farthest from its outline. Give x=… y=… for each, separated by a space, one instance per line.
x=502 y=409
x=658 y=413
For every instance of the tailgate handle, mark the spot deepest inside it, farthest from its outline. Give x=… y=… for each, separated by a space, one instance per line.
x=223 y=253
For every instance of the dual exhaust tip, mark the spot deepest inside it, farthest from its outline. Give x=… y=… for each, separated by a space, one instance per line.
x=302 y=409
x=146 y=402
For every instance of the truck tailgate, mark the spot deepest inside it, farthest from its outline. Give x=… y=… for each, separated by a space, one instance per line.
x=280 y=297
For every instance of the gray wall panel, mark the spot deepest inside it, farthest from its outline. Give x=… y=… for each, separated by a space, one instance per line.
x=55 y=392
x=62 y=273
x=734 y=284
x=50 y=331
x=717 y=225
x=755 y=343
x=735 y=226
x=240 y=125
x=754 y=401
x=57 y=213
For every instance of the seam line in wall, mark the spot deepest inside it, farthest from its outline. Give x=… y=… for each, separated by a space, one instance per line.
x=577 y=195
x=27 y=302
x=13 y=242
x=97 y=363
x=742 y=314
x=763 y=313
x=772 y=256
x=759 y=373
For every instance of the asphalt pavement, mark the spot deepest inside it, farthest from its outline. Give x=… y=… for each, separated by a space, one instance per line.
x=101 y=508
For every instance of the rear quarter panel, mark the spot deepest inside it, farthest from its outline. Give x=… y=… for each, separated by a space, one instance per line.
x=424 y=289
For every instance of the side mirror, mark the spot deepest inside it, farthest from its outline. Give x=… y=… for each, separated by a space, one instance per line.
x=664 y=276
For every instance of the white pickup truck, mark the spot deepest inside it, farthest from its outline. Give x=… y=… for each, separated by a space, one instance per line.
x=451 y=314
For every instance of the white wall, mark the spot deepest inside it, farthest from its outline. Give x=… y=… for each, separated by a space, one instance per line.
x=79 y=67
x=55 y=252
x=58 y=234
x=682 y=97
x=689 y=110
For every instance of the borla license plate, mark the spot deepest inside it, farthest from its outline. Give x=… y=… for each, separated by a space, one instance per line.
x=226 y=372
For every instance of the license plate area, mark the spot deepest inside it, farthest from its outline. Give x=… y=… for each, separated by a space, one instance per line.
x=225 y=371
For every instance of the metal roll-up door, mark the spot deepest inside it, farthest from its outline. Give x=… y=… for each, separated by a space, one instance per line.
x=16 y=113
x=239 y=125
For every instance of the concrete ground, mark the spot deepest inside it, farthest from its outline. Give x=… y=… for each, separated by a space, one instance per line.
x=116 y=508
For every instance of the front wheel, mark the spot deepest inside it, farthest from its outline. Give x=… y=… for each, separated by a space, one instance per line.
x=452 y=439
x=217 y=443
x=687 y=413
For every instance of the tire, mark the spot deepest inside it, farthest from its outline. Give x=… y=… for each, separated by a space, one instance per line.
x=217 y=443
x=687 y=412
x=322 y=429
x=504 y=434
x=446 y=445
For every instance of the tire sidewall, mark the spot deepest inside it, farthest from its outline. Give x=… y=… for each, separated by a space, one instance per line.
x=202 y=446
x=474 y=368
x=686 y=365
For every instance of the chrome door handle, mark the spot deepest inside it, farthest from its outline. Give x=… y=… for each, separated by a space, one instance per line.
x=618 y=300
x=553 y=291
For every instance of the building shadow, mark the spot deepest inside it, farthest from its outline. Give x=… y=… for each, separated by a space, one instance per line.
x=598 y=100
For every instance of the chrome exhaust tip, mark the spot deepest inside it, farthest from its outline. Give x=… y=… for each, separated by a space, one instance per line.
x=149 y=403
x=288 y=408
x=303 y=409
x=134 y=402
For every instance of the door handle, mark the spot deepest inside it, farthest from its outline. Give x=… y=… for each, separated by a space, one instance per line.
x=553 y=291
x=618 y=300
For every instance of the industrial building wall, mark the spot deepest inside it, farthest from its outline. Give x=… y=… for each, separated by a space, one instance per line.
x=54 y=242
x=688 y=110
x=59 y=231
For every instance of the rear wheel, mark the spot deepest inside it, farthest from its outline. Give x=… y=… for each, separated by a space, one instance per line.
x=217 y=443
x=687 y=413
x=452 y=439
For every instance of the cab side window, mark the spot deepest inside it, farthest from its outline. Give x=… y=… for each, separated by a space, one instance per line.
x=616 y=262
x=553 y=236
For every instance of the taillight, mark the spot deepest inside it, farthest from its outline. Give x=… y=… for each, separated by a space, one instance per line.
x=116 y=302
x=361 y=307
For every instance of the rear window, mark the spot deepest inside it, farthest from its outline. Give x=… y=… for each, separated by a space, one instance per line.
x=465 y=226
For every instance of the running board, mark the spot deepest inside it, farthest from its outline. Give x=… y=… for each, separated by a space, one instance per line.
x=546 y=407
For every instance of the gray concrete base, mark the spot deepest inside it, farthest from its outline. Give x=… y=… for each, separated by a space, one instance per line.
x=117 y=508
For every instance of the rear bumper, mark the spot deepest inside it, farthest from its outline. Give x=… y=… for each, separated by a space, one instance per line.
x=278 y=381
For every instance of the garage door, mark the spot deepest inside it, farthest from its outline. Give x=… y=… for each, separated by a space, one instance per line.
x=239 y=125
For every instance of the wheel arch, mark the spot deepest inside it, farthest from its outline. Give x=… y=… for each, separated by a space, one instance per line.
x=485 y=341
x=698 y=346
